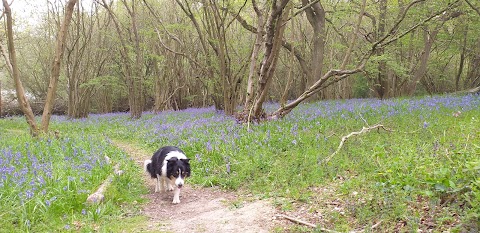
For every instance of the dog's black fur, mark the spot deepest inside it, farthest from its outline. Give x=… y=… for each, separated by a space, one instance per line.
x=169 y=166
x=173 y=165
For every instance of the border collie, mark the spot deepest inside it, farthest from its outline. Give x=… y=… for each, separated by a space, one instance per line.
x=170 y=166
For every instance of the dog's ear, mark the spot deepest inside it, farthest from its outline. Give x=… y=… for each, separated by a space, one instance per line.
x=186 y=160
x=173 y=159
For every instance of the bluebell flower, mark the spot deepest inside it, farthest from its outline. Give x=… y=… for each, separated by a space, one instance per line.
x=228 y=167
x=209 y=146
x=29 y=194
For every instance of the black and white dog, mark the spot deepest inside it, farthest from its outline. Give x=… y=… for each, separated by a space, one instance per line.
x=170 y=166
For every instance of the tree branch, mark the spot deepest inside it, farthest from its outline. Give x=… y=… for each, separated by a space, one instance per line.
x=397 y=23
x=473 y=7
x=296 y=220
x=301 y=10
x=178 y=53
x=379 y=42
x=344 y=139
x=161 y=23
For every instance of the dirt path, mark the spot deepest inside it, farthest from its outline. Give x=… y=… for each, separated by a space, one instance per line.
x=201 y=209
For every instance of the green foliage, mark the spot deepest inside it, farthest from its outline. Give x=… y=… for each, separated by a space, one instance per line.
x=45 y=181
x=425 y=167
x=361 y=87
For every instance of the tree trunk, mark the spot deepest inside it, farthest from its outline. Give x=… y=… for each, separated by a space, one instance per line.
x=218 y=101
x=316 y=17
x=252 y=74
x=55 y=73
x=284 y=96
x=462 y=59
x=274 y=36
x=1 y=106
x=473 y=75
x=381 y=84
x=12 y=62
x=132 y=78
x=138 y=101
x=337 y=75
x=418 y=74
x=429 y=39
x=157 y=106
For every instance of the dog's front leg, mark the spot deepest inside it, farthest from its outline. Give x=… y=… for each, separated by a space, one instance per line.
x=159 y=185
x=176 y=196
x=170 y=184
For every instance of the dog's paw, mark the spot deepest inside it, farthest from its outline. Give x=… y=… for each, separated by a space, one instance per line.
x=170 y=188
x=176 y=200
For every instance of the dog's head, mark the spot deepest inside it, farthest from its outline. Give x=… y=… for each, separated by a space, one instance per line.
x=178 y=170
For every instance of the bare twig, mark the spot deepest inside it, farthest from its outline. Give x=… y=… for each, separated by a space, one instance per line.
x=376 y=225
x=300 y=10
x=171 y=95
x=473 y=7
x=296 y=220
x=161 y=23
x=423 y=22
x=344 y=138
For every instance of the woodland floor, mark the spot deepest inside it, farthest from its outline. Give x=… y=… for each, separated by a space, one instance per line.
x=203 y=209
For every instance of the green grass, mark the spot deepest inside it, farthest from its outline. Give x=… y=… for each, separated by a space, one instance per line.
x=46 y=181
x=421 y=174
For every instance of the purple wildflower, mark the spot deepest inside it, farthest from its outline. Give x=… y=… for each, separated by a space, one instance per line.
x=29 y=194
x=209 y=146
x=228 y=167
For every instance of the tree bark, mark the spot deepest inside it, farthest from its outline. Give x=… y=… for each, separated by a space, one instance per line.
x=55 y=73
x=381 y=84
x=274 y=36
x=473 y=75
x=1 y=102
x=429 y=39
x=252 y=74
x=316 y=17
x=15 y=73
x=85 y=62
x=137 y=79
x=462 y=59
x=133 y=82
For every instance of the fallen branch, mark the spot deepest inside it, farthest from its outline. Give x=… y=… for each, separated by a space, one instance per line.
x=376 y=225
x=344 y=138
x=296 y=220
x=98 y=195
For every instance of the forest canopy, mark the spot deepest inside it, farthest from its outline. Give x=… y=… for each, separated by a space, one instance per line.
x=131 y=55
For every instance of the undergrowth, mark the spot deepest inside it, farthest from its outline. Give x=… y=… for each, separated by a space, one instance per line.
x=419 y=173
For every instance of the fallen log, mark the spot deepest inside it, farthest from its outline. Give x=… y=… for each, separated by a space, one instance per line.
x=98 y=196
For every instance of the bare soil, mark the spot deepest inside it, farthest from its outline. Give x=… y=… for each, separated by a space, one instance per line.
x=202 y=209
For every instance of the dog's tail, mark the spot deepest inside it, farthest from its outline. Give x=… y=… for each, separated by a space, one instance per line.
x=147 y=165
